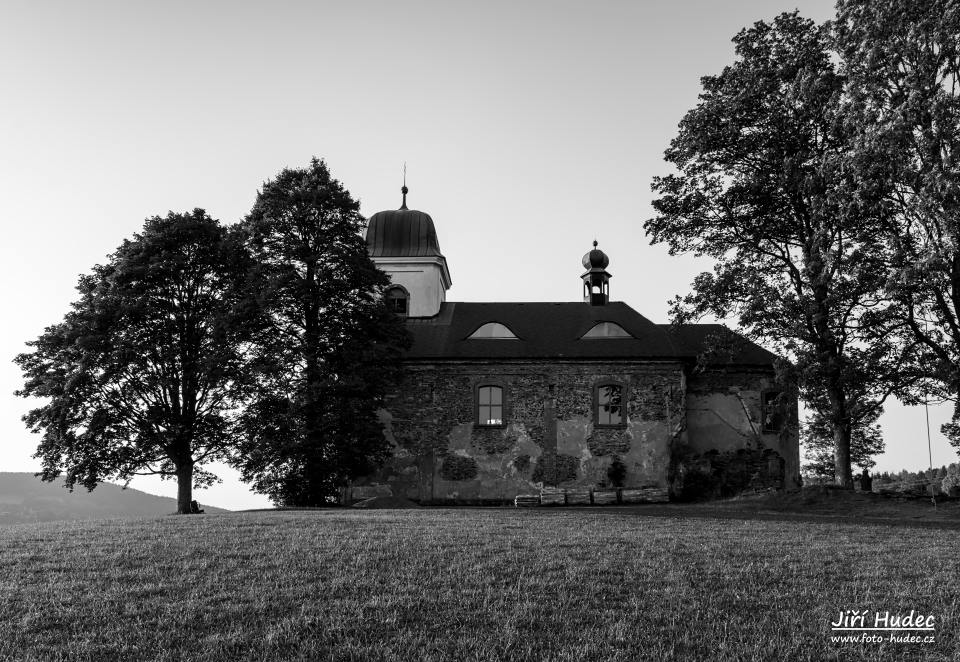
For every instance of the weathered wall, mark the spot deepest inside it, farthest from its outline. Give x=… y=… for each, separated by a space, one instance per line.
x=549 y=437
x=726 y=435
x=701 y=435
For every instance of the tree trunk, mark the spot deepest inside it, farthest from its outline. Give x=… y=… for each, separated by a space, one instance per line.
x=841 y=454
x=184 y=487
x=842 y=430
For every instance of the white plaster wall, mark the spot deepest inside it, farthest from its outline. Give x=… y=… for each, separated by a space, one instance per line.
x=724 y=422
x=423 y=281
x=718 y=420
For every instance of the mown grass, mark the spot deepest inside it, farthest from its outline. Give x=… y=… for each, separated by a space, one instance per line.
x=465 y=585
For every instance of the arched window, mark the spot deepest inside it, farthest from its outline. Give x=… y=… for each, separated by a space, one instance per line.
x=397 y=299
x=493 y=330
x=609 y=408
x=490 y=405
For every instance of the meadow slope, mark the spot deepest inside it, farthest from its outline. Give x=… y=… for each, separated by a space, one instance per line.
x=445 y=584
x=26 y=498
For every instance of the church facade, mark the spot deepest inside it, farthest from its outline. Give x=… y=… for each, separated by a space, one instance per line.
x=580 y=402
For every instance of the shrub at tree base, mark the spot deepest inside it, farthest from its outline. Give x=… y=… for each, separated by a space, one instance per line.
x=715 y=474
x=457 y=467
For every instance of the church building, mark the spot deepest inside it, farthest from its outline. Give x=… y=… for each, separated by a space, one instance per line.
x=570 y=402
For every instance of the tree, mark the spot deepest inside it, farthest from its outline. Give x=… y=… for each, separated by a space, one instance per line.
x=902 y=60
x=145 y=374
x=764 y=188
x=950 y=483
x=332 y=349
x=866 y=440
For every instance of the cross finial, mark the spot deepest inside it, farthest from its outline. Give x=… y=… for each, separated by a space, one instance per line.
x=404 y=189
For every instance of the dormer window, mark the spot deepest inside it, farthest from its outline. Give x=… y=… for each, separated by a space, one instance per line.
x=606 y=330
x=493 y=330
x=397 y=300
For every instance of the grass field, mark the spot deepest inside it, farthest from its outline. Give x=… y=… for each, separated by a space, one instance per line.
x=467 y=584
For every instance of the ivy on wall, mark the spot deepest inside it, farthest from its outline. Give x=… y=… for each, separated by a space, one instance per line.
x=608 y=442
x=494 y=440
x=521 y=463
x=555 y=469
x=457 y=467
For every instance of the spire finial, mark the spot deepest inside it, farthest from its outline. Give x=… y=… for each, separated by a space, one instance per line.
x=404 y=189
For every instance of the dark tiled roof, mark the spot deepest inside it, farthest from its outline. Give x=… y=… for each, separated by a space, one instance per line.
x=725 y=346
x=402 y=233
x=553 y=330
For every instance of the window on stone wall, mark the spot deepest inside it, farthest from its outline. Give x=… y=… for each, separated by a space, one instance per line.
x=490 y=405
x=609 y=405
x=397 y=299
x=774 y=415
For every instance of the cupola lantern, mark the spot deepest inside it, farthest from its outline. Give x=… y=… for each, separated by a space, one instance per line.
x=596 y=280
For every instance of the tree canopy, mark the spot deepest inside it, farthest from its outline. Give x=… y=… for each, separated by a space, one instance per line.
x=332 y=348
x=764 y=187
x=902 y=62
x=145 y=374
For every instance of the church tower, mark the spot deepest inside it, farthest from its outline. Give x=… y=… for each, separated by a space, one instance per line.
x=403 y=243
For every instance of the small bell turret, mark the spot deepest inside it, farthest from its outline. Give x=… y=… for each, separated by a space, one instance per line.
x=596 y=280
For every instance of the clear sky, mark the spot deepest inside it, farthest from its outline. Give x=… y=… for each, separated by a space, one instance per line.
x=529 y=129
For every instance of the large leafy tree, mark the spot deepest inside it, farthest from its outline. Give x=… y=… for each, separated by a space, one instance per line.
x=866 y=440
x=902 y=59
x=146 y=373
x=332 y=349
x=765 y=188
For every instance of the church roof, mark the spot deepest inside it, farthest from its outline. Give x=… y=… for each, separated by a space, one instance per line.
x=727 y=346
x=555 y=330
x=402 y=233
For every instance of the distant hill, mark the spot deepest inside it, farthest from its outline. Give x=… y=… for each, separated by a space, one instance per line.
x=26 y=498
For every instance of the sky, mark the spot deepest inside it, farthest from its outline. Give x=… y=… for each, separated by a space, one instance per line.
x=529 y=129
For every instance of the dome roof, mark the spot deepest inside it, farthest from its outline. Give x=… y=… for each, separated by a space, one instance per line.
x=595 y=259
x=402 y=233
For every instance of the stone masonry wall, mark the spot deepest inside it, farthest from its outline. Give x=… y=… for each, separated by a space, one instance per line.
x=549 y=439
x=699 y=435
